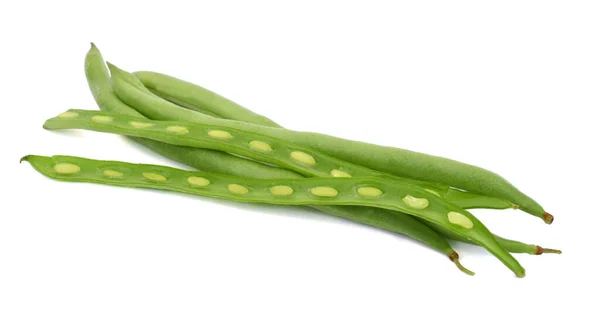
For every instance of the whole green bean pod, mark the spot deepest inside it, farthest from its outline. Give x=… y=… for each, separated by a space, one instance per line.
x=397 y=161
x=362 y=191
x=215 y=161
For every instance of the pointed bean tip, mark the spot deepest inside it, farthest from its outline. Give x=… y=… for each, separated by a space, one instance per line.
x=24 y=158
x=552 y=251
x=93 y=46
x=112 y=68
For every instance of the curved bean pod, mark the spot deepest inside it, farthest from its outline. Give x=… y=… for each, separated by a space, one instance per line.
x=385 y=159
x=224 y=163
x=247 y=144
x=363 y=191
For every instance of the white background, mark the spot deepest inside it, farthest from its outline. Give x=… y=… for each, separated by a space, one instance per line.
x=512 y=86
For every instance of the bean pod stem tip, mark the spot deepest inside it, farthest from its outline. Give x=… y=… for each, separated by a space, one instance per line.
x=541 y=250
x=454 y=258
x=548 y=218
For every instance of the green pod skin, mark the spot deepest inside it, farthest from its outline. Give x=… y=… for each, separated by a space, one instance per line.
x=392 y=160
x=215 y=161
x=218 y=105
x=306 y=191
x=199 y=99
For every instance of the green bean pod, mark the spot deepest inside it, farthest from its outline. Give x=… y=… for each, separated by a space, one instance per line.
x=396 y=161
x=362 y=191
x=247 y=144
x=224 y=163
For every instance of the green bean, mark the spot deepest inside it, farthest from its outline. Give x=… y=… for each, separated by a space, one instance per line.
x=247 y=144
x=462 y=199
x=362 y=191
x=396 y=161
x=224 y=163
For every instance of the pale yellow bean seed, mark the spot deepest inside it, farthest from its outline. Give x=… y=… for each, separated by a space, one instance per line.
x=340 y=174
x=154 y=177
x=416 y=203
x=198 y=181
x=460 y=219
x=140 y=125
x=369 y=191
x=237 y=189
x=67 y=115
x=260 y=146
x=324 y=191
x=281 y=190
x=112 y=173
x=220 y=134
x=303 y=158
x=66 y=168
x=178 y=129
x=103 y=119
